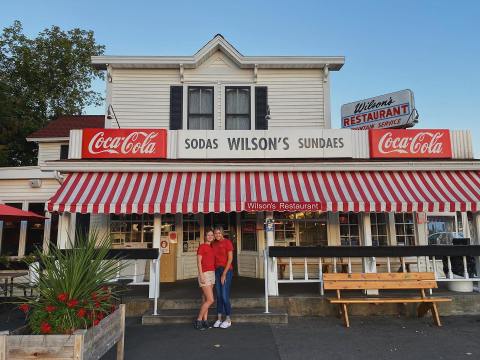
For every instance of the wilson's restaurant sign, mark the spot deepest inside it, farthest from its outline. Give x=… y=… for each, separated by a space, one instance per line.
x=124 y=143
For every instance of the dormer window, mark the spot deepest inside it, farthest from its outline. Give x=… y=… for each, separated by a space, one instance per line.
x=200 y=108
x=237 y=108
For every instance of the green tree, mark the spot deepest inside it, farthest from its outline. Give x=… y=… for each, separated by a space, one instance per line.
x=40 y=79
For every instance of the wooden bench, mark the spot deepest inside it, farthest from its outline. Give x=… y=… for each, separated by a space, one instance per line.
x=384 y=281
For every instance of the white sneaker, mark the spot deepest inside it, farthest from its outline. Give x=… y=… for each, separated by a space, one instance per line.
x=226 y=324
x=217 y=324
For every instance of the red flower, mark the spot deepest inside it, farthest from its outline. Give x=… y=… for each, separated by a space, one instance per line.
x=95 y=322
x=50 y=308
x=94 y=295
x=72 y=303
x=45 y=328
x=81 y=313
x=24 y=308
x=62 y=297
x=97 y=304
x=105 y=288
x=113 y=308
x=100 y=316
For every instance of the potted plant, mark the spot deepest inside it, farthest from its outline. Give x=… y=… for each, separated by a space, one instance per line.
x=75 y=314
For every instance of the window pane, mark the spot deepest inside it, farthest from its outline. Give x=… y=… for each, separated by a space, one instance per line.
x=199 y=122
x=238 y=101
x=194 y=100
x=11 y=234
x=249 y=232
x=206 y=101
x=237 y=122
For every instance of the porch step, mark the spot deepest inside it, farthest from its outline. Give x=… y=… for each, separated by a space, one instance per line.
x=186 y=304
x=240 y=315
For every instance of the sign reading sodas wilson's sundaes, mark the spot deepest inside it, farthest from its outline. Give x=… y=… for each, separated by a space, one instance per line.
x=426 y=143
x=393 y=110
x=124 y=143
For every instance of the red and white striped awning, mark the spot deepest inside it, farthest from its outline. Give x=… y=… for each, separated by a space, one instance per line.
x=203 y=192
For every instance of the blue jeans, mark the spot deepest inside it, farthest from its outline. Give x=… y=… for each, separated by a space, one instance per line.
x=223 y=291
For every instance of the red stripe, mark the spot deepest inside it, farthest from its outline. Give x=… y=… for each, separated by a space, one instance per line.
x=62 y=206
x=268 y=188
x=311 y=198
x=114 y=189
x=206 y=198
x=296 y=183
x=176 y=193
x=81 y=192
x=59 y=192
x=120 y=199
x=248 y=192
x=227 y=199
x=101 y=193
x=450 y=190
x=361 y=191
x=400 y=189
x=340 y=191
x=332 y=197
x=141 y=206
x=466 y=183
x=426 y=184
x=407 y=186
x=351 y=193
x=368 y=184
x=166 y=189
x=238 y=191
x=439 y=188
x=156 y=189
x=459 y=189
x=196 y=193
x=379 y=188
x=316 y=183
x=278 y=192
x=395 y=204
x=288 y=186
x=216 y=200
x=186 y=193
x=87 y=200
x=258 y=190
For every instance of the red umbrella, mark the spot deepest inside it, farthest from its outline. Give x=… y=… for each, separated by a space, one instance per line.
x=9 y=213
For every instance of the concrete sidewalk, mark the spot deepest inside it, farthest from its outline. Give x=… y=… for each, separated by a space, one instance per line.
x=310 y=338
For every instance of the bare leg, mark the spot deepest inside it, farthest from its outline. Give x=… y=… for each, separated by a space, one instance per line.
x=208 y=296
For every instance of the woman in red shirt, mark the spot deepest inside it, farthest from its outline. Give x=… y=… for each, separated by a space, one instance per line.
x=223 y=249
x=206 y=279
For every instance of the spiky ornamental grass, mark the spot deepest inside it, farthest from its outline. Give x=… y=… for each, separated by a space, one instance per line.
x=74 y=289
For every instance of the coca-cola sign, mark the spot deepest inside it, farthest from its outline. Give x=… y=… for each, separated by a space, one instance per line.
x=411 y=144
x=124 y=143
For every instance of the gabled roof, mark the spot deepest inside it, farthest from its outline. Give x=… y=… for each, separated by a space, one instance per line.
x=59 y=129
x=218 y=43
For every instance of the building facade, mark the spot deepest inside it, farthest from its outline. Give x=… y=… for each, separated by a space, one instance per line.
x=218 y=138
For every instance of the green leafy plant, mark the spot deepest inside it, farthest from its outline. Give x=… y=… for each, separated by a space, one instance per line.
x=74 y=288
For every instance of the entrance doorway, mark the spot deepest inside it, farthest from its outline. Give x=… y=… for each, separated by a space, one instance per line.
x=229 y=224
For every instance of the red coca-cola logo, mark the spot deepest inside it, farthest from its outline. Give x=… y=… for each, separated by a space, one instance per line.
x=410 y=144
x=124 y=143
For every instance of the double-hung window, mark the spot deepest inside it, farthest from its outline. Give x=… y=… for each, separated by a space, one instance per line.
x=200 y=108
x=237 y=108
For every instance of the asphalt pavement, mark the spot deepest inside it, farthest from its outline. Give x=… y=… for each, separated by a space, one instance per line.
x=309 y=338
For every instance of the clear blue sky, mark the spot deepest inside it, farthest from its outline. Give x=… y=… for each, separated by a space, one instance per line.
x=431 y=47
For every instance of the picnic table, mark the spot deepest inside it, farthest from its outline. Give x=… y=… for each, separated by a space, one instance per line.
x=7 y=275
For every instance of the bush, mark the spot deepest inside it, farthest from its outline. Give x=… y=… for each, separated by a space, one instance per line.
x=74 y=289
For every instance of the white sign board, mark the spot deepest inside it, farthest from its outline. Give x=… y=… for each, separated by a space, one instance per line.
x=263 y=144
x=394 y=110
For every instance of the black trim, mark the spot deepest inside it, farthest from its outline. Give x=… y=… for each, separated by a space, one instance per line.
x=130 y=254
x=63 y=152
x=261 y=108
x=195 y=114
x=374 y=251
x=249 y=106
x=176 y=108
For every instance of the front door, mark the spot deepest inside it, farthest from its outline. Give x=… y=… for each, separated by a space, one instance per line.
x=229 y=224
x=168 y=246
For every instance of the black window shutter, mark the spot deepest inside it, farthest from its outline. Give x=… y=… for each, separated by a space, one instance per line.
x=63 y=152
x=176 y=107
x=261 y=108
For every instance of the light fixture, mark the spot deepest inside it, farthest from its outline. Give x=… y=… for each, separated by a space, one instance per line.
x=111 y=114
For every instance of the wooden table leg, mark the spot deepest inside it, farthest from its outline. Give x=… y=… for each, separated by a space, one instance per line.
x=435 y=314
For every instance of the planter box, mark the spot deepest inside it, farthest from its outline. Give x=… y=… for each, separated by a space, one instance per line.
x=92 y=343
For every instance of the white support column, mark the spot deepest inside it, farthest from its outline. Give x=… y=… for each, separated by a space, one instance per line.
x=157 y=225
x=272 y=267
x=23 y=233
x=370 y=263
x=476 y=241
x=420 y=221
x=46 y=233
x=64 y=231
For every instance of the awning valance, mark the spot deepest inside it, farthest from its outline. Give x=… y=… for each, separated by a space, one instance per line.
x=203 y=192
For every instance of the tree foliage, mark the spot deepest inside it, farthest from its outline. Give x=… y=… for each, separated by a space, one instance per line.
x=40 y=79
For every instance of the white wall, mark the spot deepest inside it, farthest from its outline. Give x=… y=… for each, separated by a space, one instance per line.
x=141 y=97
x=13 y=190
x=49 y=151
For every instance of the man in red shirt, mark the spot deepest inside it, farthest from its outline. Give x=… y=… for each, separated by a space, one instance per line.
x=223 y=250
